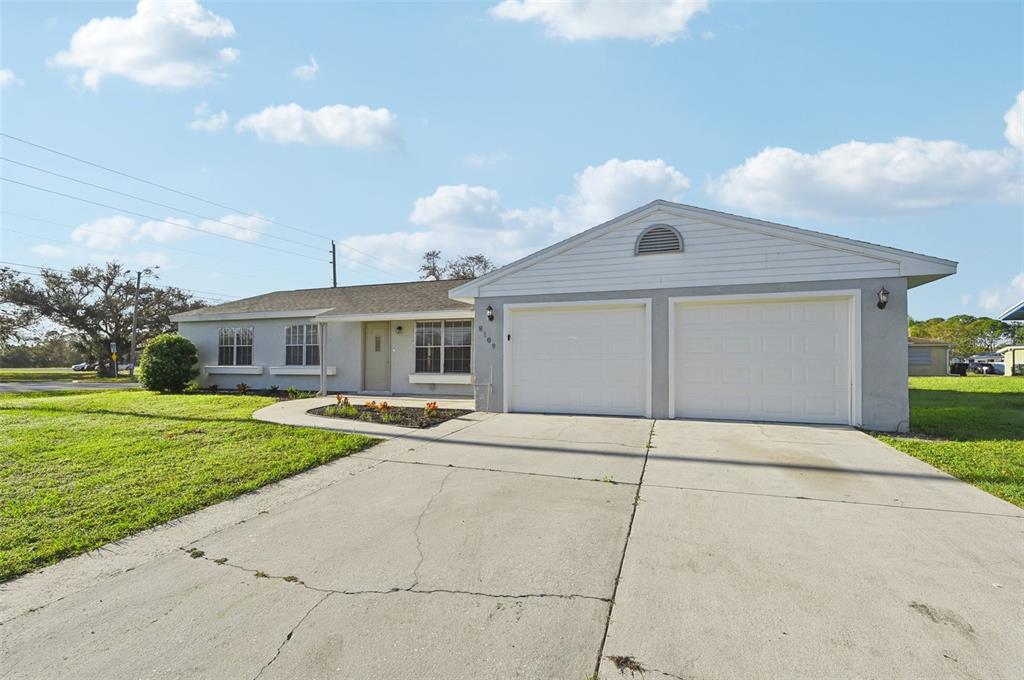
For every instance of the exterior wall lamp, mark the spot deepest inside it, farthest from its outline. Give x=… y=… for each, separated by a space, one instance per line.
x=490 y=313
x=883 y=298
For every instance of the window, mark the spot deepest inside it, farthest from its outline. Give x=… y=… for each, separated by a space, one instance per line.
x=659 y=238
x=234 y=347
x=920 y=356
x=443 y=346
x=302 y=345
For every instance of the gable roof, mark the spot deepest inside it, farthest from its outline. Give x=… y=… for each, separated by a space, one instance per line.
x=382 y=298
x=918 y=268
x=1015 y=313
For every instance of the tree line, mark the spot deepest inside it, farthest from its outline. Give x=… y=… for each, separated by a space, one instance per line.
x=968 y=334
x=88 y=308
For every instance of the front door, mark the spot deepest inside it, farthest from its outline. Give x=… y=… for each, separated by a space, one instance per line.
x=377 y=356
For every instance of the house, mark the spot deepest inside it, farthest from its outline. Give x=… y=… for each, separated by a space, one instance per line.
x=1013 y=360
x=405 y=338
x=667 y=311
x=1015 y=313
x=927 y=357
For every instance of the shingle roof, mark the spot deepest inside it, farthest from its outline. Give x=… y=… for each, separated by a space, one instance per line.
x=927 y=341
x=412 y=296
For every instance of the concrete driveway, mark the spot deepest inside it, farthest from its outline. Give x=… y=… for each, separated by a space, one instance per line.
x=512 y=548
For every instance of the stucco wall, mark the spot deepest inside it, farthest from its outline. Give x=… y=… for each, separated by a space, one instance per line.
x=937 y=365
x=885 y=404
x=344 y=351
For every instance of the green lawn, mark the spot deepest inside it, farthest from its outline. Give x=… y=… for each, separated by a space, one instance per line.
x=79 y=470
x=980 y=425
x=51 y=374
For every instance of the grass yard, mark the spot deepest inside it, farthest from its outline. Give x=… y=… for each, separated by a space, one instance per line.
x=55 y=374
x=973 y=428
x=80 y=470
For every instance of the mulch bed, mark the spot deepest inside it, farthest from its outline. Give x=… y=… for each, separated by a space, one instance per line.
x=402 y=416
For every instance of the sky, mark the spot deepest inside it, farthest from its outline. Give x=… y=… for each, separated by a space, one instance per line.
x=262 y=130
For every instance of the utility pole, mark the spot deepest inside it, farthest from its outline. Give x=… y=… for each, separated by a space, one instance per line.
x=135 y=327
x=334 y=265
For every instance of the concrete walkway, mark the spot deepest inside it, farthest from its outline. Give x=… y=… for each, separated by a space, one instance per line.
x=296 y=412
x=526 y=546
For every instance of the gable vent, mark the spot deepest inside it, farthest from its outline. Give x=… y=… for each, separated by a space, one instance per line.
x=659 y=238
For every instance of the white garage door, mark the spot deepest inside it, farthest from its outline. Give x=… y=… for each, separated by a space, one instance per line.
x=781 y=360
x=578 y=359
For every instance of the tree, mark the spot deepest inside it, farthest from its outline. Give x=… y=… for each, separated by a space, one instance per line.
x=968 y=334
x=432 y=267
x=465 y=267
x=95 y=304
x=168 y=363
x=14 y=321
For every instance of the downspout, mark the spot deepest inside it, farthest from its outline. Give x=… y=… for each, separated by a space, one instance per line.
x=322 y=337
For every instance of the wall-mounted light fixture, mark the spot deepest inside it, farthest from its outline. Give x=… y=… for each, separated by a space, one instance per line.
x=398 y=330
x=883 y=298
x=490 y=313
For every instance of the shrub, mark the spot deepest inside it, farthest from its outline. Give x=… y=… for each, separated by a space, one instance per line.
x=274 y=390
x=213 y=388
x=168 y=363
x=242 y=388
x=430 y=410
x=293 y=392
x=191 y=388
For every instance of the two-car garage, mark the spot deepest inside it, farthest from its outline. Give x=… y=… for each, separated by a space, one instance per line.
x=775 y=358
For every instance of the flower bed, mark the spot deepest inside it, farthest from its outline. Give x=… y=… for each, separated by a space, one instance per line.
x=382 y=412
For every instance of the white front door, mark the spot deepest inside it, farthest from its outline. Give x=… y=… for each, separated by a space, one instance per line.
x=590 y=359
x=776 y=359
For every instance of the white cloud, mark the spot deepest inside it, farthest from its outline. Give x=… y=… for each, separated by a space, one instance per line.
x=999 y=298
x=7 y=78
x=106 y=233
x=338 y=125
x=164 y=44
x=171 y=229
x=462 y=219
x=306 y=71
x=481 y=160
x=244 y=227
x=867 y=179
x=653 y=21
x=616 y=186
x=206 y=121
x=1014 y=120
x=46 y=250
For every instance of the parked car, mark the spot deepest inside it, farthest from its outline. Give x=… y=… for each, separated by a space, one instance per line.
x=84 y=366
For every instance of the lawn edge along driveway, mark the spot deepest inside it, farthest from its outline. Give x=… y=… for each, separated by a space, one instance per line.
x=78 y=471
x=971 y=428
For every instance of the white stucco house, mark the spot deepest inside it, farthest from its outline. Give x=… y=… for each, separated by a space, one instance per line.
x=667 y=311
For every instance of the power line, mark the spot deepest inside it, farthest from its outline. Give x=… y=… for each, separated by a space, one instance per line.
x=156 y=219
x=156 y=246
x=205 y=298
x=198 y=198
x=157 y=203
x=65 y=271
x=72 y=243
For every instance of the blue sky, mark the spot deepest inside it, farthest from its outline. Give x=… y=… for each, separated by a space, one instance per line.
x=501 y=128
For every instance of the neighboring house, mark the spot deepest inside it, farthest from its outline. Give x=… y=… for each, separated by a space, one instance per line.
x=927 y=357
x=1013 y=360
x=668 y=311
x=1015 y=313
x=404 y=338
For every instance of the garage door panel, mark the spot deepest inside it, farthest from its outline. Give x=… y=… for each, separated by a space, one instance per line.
x=764 y=360
x=578 y=359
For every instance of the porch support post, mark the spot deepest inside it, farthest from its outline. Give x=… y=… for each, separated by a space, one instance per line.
x=322 y=336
